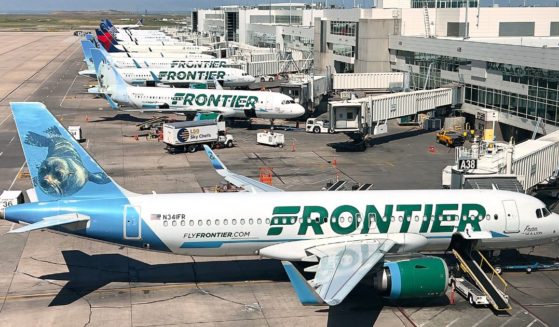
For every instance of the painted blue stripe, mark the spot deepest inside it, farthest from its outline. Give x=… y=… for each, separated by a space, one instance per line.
x=201 y=245
x=217 y=244
x=496 y=234
x=396 y=279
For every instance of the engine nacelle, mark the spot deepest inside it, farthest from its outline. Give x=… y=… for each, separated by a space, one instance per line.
x=412 y=278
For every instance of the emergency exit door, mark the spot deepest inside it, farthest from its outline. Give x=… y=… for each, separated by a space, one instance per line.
x=132 y=223
x=512 y=220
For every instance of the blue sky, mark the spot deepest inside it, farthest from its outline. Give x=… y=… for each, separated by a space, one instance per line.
x=182 y=5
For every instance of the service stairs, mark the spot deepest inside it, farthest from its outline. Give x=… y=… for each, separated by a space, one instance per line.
x=496 y=297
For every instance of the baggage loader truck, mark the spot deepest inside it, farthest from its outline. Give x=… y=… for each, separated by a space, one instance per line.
x=189 y=136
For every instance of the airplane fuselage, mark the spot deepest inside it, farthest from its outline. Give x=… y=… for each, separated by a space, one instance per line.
x=231 y=103
x=229 y=77
x=243 y=223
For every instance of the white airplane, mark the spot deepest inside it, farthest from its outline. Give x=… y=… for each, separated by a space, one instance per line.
x=228 y=77
x=188 y=63
x=230 y=103
x=145 y=37
x=347 y=235
x=150 y=60
x=138 y=24
x=111 y=45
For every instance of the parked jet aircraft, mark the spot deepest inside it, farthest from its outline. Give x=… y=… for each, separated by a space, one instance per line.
x=127 y=37
x=228 y=77
x=110 y=46
x=150 y=60
x=119 y=54
x=348 y=234
x=230 y=103
x=138 y=24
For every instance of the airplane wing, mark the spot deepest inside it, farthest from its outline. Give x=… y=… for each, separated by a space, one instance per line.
x=246 y=183
x=342 y=263
x=59 y=220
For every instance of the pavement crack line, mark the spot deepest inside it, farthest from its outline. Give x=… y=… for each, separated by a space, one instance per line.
x=203 y=291
x=13 y=276
x=168 y=299
x=61 y=287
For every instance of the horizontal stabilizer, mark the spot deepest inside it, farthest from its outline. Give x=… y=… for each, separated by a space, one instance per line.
x=53 y=221
x=246 y=183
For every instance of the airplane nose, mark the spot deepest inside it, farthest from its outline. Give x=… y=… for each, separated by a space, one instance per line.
x=298 y=110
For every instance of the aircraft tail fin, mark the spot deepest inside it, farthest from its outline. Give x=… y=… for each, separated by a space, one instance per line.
x=86 y=48
x=115 y=79
x=60 y=168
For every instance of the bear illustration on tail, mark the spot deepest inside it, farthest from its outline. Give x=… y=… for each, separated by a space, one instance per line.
x=62 y=173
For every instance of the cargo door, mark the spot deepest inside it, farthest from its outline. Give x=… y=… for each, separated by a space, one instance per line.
x=511 y=217
x=132 y=222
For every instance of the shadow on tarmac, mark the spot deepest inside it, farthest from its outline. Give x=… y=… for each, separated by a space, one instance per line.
x=121 y=117
x=88 y=273
x=359 y=146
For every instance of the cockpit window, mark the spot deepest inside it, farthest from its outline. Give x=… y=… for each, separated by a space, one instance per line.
x=539 y=213
x=545 y=212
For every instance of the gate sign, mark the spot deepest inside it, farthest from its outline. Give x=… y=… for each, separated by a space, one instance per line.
x=467 y=164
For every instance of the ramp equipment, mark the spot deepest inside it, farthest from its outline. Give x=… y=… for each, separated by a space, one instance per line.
x=338 y=186
x=149 y=124
x=496 y=296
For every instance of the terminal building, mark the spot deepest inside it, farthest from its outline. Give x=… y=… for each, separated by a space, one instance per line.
x=504 y=58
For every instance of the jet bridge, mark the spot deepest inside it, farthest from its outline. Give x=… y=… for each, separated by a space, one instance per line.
x=532 y=162
x=368 y=116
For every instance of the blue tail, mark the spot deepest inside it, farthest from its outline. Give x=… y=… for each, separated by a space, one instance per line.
x=59 y=167
x=99 y=55
x=86 y=48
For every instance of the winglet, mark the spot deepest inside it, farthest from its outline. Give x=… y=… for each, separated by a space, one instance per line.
x=216 y=163
x=303 y=289
x=136 y=63
x=217 y=84
x=155 y=78
x=113 y=104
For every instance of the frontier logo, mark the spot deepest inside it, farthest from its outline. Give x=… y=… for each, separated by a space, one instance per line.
x=347 y=219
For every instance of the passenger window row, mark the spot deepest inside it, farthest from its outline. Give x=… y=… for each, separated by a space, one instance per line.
x=342 y=219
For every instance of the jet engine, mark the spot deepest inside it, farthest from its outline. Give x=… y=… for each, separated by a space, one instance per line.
x=412 y=278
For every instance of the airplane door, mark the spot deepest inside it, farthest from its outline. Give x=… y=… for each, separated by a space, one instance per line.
x=512 y=220
x=132 y=222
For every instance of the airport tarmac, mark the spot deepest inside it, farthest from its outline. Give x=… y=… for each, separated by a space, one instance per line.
x=48 y=278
